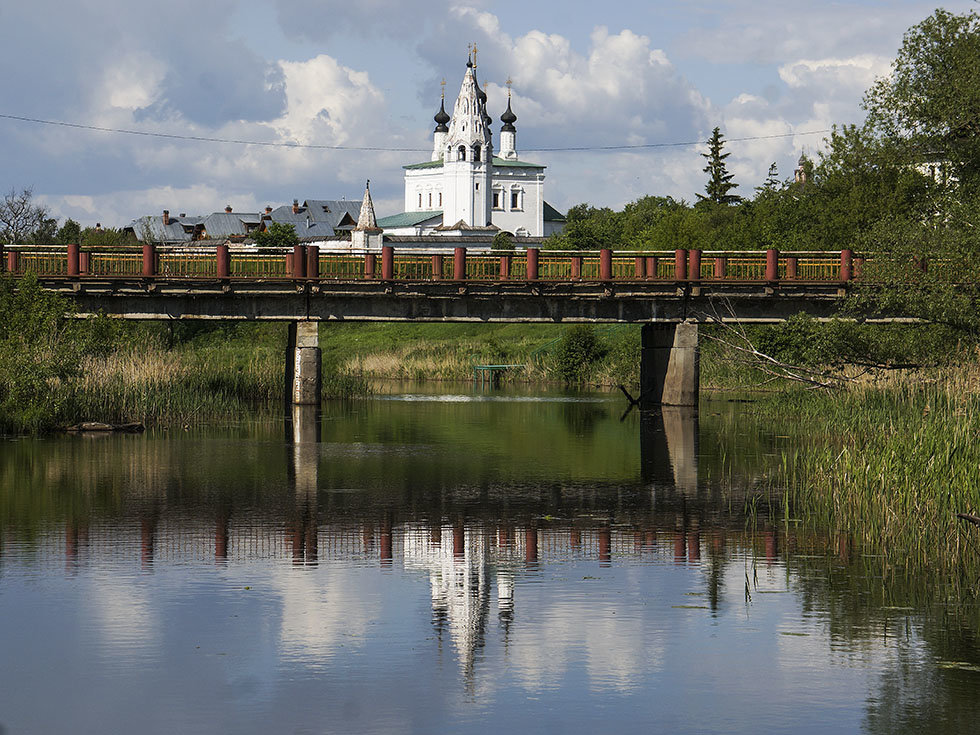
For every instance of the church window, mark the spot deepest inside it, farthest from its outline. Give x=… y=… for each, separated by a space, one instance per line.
x=440 y=198
x=461 y=153
x=430 y=200
x=420 y=200
x=515 y=199
x=476 y=153
x=498 y=199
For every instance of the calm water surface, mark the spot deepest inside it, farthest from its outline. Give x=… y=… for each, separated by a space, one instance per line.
x=455 y=562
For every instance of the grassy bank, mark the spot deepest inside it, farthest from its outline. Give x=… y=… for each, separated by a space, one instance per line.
x=889 y=466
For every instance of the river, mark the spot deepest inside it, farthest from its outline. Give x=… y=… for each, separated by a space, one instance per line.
x=439 y=562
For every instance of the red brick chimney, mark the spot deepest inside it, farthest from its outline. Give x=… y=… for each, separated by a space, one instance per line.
x=166 y=217
x=228 y=209
x=295 y=206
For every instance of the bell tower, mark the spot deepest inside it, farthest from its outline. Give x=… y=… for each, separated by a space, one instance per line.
x=468 y=155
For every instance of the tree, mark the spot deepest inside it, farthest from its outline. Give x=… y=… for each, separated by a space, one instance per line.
x=719 y=180
x=929 y=106
x=502 y=241
x=70 y=232
x=20 y=218
x=276 y=235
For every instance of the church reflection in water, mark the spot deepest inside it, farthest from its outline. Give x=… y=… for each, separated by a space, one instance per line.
x=475 y=546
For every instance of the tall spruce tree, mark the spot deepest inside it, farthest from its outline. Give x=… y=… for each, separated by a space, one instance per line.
x=719 y=180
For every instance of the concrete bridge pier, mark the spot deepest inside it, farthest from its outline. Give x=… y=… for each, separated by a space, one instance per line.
x=670 y=369
x=303 y=365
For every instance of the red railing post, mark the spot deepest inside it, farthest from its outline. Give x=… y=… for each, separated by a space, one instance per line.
x=694 y=265
x=605 y=265
x=505 y=267
x=772 y=265
x=13 y=263
x=299 y=261
x=83 y=262
x=369 y=263
x=73 y=260
x=576 y=267
x=313 y=261
x=436 y=267
x=846 y=265
x=652 y=267
x=640 y=268
x=792 y=268
x=459 y=264
x=149 y=261
x=532 y=264
x=721 y=267
x=387 y=263
x=680 y=265
x=223 y=258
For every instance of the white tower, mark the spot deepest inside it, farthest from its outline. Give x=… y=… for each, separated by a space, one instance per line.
x=508 y=133
x=441 y=118
x=367 y=235
x=468 y=156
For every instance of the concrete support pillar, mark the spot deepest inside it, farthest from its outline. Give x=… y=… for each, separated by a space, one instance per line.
x=670 y=365
x=303 y=364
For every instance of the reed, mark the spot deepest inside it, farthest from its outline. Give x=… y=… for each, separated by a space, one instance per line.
x=890 y=465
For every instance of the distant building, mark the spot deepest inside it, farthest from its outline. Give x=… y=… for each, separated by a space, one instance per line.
x=315 y=219
x=467 y=190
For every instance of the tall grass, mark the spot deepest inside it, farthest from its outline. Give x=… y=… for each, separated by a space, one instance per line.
x=891 y=465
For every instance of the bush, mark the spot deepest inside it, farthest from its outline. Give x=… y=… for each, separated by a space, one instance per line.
x=576 y=354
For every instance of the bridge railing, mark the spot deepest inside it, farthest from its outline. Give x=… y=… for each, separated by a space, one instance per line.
x=308 y=262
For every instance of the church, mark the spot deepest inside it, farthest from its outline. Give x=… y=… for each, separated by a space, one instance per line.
x=468 y=188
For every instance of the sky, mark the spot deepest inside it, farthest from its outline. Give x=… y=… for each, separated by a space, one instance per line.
x=367 y=74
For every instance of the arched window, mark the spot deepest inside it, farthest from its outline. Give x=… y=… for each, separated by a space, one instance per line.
x=420 y=200
x=430 y=200
x=461 y=153
x=516 y=202
x=440 y=198
x=476 y=152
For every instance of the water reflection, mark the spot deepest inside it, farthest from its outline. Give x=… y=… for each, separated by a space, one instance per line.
x=543 y=554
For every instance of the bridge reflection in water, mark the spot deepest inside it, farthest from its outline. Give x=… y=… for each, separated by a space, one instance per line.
x=474 y=553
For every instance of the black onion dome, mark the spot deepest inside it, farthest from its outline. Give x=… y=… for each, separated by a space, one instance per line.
x=508 y=119
x=442 y=119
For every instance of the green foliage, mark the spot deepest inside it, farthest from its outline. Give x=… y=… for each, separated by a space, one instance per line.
x=70 y=232
x=40 y=352
x=503 y=241
x=277 y=235
x=929 y=106
x=719 y=179
x=577 y=352
x=102 y=237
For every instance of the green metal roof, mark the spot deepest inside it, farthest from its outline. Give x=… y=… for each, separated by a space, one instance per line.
x=501 y=162
x=515 y=164
x=551 y=214
x=425 y=164
x=408 y=219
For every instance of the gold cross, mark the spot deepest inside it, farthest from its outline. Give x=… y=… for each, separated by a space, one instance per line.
x=508 y=83
x=474 y=55
x=443 y=85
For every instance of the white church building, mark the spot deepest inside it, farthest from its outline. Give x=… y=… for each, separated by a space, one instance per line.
x=469 y=188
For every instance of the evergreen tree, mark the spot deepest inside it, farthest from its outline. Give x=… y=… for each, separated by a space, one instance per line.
x=719 y=180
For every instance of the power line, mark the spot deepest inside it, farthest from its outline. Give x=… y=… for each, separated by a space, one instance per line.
x=383 y=149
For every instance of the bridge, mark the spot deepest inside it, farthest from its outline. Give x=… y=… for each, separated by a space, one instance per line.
x=668 y=292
